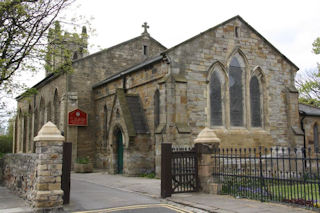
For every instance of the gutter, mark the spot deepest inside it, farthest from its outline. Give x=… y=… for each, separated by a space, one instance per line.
x=303 y=130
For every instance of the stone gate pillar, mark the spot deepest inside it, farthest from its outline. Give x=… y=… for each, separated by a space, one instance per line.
x=209 y=141
x=49 y=151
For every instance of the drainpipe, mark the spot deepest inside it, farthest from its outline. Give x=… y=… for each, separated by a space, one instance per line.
x=303 y=130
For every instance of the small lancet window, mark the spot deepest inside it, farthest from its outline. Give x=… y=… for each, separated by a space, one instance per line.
x=236 y=32
x=156 y=98
x=145 y=50
x=105 y=124
x=56 y=109
x=75 y=56
x=316 y=138
x=255 y=102
x=215 y=100
x=236 y=94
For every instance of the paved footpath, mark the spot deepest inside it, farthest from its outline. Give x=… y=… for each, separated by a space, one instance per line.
x=11 y=203
x=201 y=201
x=150 y=189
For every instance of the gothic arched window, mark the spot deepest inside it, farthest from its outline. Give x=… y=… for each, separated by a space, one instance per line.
x=49 y=118
x=215 y=100
x=236 y=93
x=36 y=123
x=42 y=112
x=56 y=109
x=105 y=125
x=316 y=137
x=255 y=102
x=25 y=127
x=156 y=98
x=29 y=128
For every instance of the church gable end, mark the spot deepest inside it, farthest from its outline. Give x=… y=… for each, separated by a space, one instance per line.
x=241 y=114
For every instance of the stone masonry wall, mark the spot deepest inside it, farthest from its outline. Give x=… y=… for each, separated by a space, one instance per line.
x=195 y=58
x=143 y=82
x=86 y=72
x=95 y=68
x=36 y=177
x=20 y=174
x=29 y=110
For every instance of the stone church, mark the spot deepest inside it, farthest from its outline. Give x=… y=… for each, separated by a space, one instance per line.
x=139 y=94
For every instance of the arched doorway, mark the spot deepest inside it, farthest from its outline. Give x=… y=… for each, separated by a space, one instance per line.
x=119 y=142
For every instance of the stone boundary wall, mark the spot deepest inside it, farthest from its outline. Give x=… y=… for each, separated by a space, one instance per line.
x=36 y=177
x=19 y=174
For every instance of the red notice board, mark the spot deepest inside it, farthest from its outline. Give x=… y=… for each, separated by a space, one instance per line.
x=77 y=118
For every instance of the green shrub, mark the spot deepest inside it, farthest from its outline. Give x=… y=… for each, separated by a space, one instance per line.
x=5 y=144
x=83 y=160
x=148 y=175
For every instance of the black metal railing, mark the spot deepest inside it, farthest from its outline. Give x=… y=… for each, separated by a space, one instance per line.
x=273 y=174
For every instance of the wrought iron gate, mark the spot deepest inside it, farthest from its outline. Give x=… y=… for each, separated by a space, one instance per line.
x=179 y=170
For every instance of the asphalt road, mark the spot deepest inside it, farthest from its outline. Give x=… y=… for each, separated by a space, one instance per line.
x=154 y=208
x=94 y=198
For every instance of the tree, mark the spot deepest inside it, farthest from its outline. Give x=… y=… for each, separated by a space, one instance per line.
x=6 y=140
x=23 y=38
x=309 y=85
x=23 y=26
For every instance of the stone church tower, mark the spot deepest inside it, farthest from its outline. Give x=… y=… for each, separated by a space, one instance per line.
x=64 y=47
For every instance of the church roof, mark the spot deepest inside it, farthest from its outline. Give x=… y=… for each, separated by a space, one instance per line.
x=225 y=22
x=129 y=70
x=137 y=113
x=118 y=45
x=51 y=76
x=305 y=109
x=133 y=113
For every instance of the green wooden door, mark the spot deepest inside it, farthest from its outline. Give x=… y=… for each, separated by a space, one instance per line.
x=120 y=152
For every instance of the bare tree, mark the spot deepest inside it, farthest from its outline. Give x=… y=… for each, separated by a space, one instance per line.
x=309 y=84
x=23 y=27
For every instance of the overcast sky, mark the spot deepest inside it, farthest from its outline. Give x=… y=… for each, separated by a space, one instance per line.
x=290 y=25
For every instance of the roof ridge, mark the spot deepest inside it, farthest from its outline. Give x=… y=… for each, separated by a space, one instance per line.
x=128 y=70
x=223 y=23
x=309 y=105
x=117 y=45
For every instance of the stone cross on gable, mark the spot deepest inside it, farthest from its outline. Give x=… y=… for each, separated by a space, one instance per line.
x=145 y=26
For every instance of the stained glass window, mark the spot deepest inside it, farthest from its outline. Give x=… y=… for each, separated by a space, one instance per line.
x=255 y=102
x=236 y=94
x=215 y=100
